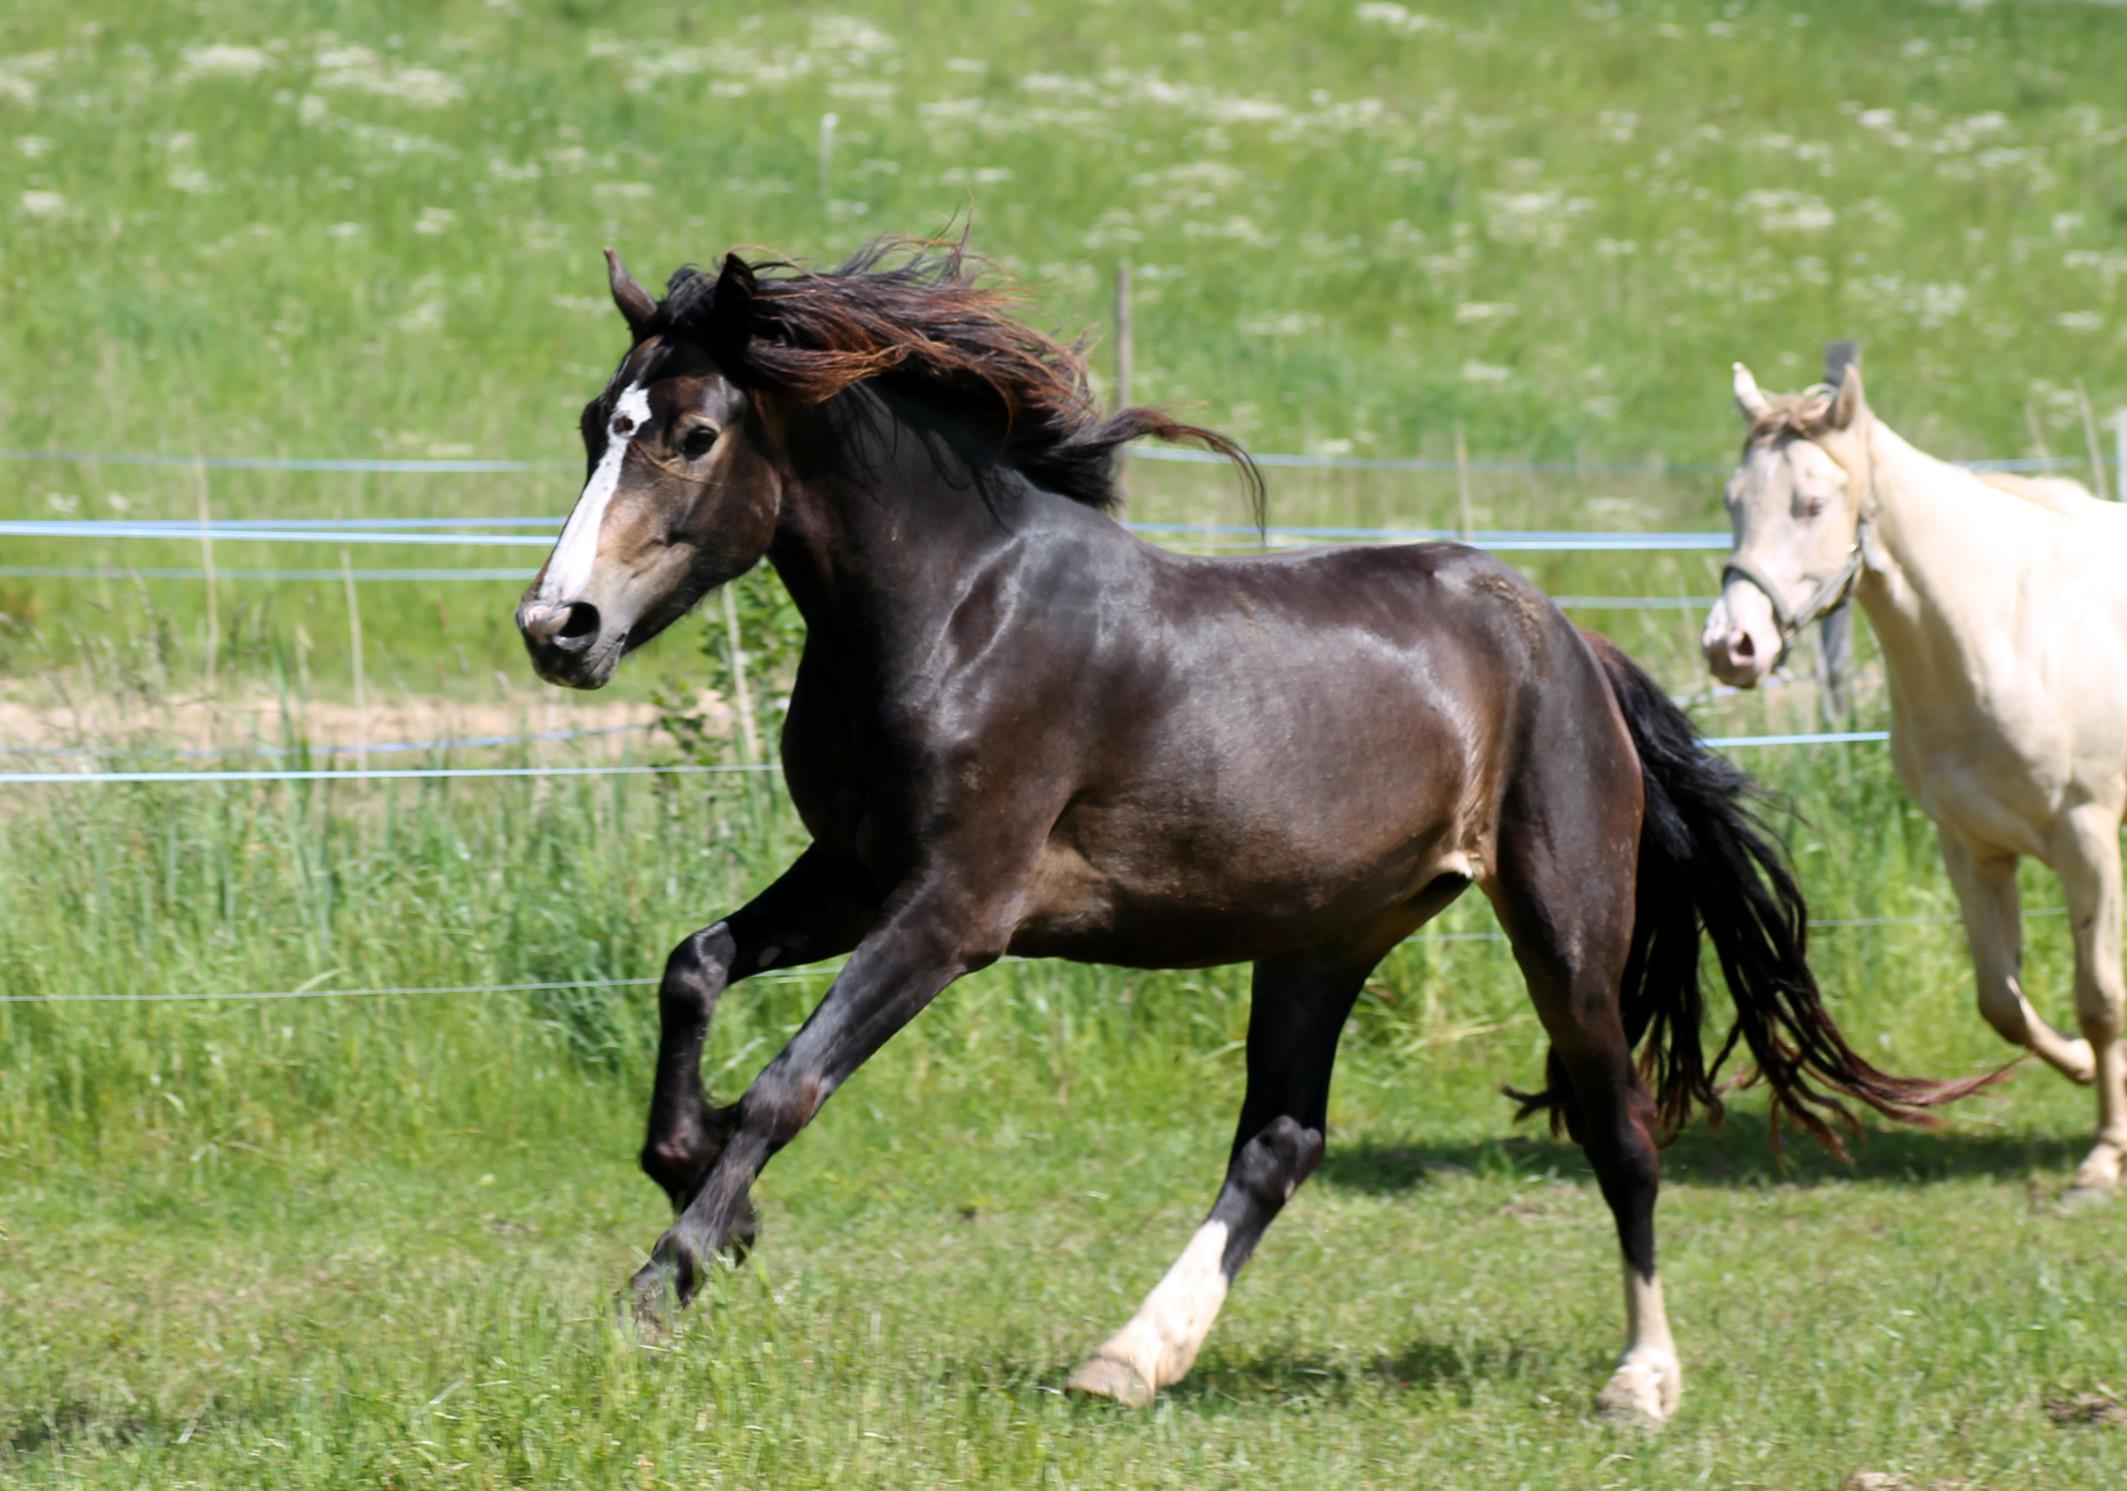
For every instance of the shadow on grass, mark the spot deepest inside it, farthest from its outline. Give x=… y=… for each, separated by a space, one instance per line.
x=1741 y=1154
x=1427 y=1365
x=70 y=1426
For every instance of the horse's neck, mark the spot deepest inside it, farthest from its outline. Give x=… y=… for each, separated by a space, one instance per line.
x=1937 y=571
x=877 y=545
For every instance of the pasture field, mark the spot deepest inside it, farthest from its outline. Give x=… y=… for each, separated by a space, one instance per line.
x=372 y=1240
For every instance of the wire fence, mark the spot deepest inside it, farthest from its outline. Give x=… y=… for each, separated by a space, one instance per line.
x=776 y=975
x=537 y=533
x=481 y=466
x=112 y=777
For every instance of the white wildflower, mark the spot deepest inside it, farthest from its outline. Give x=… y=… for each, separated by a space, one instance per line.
x=36 y=147
x=850 y=36
x=1475 y=312
x=42 y=203
x=1486 y=372
x=1937 y=304
x=190 y=179
x=1275 y=324
x=1533 y=216
x=2083 y=321
x=1789 y=212
x=1397 y=18
x=220 y=60
x=358 y=70
x=20 y=74
x=435 y=220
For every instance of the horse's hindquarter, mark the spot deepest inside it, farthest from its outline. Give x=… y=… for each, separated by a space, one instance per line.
x=1281 y=752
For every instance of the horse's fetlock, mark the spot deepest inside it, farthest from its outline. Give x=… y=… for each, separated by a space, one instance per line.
x=1272 y=1164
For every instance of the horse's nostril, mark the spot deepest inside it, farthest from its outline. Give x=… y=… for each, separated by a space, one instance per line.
x=579 y=623
x=1742 y=646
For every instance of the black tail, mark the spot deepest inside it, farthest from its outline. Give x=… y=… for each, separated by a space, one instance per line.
x=1707 y=860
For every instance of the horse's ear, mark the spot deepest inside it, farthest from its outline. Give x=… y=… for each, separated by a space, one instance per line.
x=731 y=305
x=1849 y=403
x=634 y=301
x=1749 y=397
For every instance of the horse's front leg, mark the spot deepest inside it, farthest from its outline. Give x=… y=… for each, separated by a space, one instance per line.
x=2088 y=855
x=917 y=949
x=816 y=909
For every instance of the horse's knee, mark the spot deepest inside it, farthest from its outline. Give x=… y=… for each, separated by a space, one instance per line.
x=696 y=970
x=1270 y=1166
x=2002 y=1007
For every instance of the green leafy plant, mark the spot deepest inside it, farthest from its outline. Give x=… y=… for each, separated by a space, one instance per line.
x=750 y=673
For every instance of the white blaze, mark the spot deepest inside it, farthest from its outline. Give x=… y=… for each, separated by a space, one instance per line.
x=576 y=552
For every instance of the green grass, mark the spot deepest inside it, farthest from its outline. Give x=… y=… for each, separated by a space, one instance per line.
x=331 y=229
x=372 y=1241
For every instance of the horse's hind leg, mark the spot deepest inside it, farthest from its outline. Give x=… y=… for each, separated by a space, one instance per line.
x=1985 y=881
x=1564 y=889
x=2089 y=860
x=1296 y=1010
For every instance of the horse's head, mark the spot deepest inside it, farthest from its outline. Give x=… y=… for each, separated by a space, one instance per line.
x=681 y=495
x=1795 y=504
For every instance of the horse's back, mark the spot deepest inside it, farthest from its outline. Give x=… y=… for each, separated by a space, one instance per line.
x=1332 y=734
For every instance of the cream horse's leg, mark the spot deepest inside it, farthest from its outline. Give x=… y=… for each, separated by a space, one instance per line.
x=2089 y=861
x=1985 y=880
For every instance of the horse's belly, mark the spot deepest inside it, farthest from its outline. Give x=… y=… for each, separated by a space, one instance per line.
x=1185 y=894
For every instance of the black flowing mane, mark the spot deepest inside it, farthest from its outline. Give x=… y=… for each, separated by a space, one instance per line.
x=909 y=317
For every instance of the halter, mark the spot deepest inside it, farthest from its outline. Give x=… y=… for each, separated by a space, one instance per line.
x=1830 y=595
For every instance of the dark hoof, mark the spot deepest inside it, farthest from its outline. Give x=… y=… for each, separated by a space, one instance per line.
x=1105 y=1377
x=650 y=1303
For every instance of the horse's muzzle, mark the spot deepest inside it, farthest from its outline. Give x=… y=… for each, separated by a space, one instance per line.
x=566 y=643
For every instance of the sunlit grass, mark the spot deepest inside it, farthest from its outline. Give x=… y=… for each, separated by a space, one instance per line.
x=372 y=1240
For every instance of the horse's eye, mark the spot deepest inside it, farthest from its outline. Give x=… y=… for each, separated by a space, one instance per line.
x=698 y=441
x=1813 y=507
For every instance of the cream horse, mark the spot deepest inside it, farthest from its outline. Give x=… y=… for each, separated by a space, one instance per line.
x=2001 y=608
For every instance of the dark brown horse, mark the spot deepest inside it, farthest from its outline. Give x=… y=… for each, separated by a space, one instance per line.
x=1019 y=729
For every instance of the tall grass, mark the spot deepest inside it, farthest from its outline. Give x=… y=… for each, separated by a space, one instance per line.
x=362 y=1240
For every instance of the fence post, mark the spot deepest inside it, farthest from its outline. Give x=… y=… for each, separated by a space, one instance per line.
x=1124 y=357
x=1835 y=632
x=2090 y=442
x=2119 y=455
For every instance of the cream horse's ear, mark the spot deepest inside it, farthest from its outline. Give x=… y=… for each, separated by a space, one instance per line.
x=1749 y=397
x=1849 y=403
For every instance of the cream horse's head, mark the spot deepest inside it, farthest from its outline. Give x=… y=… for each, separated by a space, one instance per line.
x=1796 y=504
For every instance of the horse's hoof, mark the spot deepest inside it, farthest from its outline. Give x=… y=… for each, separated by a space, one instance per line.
x=649 y=1303
x=1641 y=1395
x=2097 y=1178
x=2078 y=1063
x=1105 y=1377
x=2083 y=1197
